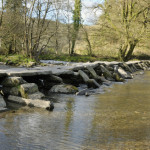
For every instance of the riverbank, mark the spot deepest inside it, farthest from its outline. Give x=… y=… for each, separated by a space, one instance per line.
x=21 y=60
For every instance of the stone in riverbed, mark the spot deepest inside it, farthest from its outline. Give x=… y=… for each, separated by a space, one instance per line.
x=51 y=80
x=54 y=79
x=139 y=67
x=11 y=91
x=83 y=92
x=83 y=75
x=13 y=81
x=3 y=109
x=37 y=95
x=89 y=82
x=134 y=67
x=147 y=64
x=97 y=77
x=30 y=90
x=93 y=83
x=117 y=77
x=2 y=102
x=144 y=66
x=29 y=102
x=64 y=88
x=92 y=71
x=122 y=73
x=126 y=67
x=107 y=74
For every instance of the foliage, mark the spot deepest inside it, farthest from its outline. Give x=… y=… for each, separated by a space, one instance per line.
x=127 y=22
x=76 y=58
x=16 y=59
x=11 y=28
x=33 y=28
x=76 y=23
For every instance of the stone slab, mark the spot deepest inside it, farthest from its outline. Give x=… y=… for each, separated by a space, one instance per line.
x=53 y=69
x=29 y=102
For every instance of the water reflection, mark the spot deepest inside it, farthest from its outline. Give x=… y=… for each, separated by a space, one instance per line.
x=117 y=119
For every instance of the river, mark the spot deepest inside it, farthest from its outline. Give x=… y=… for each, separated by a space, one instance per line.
x=118 y=119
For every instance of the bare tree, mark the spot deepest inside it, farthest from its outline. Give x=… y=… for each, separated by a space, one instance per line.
x=36 y=25
x=67 y=19
x=57 y=5
x=87 y=39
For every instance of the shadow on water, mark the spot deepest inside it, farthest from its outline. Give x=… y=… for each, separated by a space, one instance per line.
x=117 y=119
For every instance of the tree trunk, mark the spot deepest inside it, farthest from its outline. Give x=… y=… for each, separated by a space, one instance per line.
x=15 y=45
x=72 y=48
x=69 y=46
x=76 y=23
x=10 y=51
x=73 y=45
x=89 y=47
x=88 y=41
x=57 y=46
x=131 y=49
x=122 y=52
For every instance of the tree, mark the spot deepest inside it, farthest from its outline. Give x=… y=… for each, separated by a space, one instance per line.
x=127 y=20
x=76 y=23
x=12 y=26
x=87 y=39
x=36 y=26
x=67 y=10
x=57 y=5
x=2 y=12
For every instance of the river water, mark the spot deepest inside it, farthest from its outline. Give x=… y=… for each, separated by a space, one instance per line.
x=118 y=119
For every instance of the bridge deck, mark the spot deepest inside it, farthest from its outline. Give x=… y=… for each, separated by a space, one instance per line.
x=46 y=70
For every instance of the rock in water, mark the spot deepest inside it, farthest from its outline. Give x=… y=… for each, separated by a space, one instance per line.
x=87 y=94
x=122 y=73
x=54 y=79
x=51 y=107
x=13 y=81
x=127 y=68
x=89 y=82
x=29 y=102
x=117 y=77
x=11 y=91
x=106 y=73
x=31 y=91
x=2 y=102
x=64 y=88
x=98 y=78
x=83 y=92
x=37 y=95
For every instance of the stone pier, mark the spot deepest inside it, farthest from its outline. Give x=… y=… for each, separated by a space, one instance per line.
x=22 y=85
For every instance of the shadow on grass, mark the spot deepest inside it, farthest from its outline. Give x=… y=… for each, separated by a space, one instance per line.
x=77 y=58
x=141 y=56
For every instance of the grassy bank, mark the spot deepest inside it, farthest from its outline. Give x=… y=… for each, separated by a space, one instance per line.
x=76 y=58
x=17 y=60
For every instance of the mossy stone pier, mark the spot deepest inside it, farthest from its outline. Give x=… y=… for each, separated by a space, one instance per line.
x=23 y=85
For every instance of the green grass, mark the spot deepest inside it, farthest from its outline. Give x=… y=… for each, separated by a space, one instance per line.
x=76 y=58
x=15 y=59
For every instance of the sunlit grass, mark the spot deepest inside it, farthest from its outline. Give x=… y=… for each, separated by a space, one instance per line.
x=15 y=59
x=76 y=58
